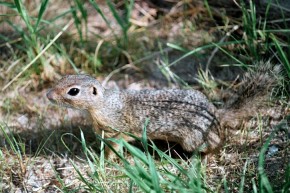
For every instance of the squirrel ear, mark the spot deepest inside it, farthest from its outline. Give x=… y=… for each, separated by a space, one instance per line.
x=94 y=91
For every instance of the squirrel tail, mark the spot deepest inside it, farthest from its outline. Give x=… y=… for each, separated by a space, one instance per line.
x=252 y=95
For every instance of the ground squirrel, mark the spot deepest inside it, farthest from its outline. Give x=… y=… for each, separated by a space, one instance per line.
x=183 y=116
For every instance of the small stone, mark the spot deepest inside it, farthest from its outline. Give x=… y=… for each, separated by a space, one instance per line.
x=23 y=119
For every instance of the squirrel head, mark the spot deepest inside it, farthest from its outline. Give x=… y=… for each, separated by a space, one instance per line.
x=77 y=91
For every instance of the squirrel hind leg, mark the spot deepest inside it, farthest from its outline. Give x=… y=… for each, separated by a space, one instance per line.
x=209 y=143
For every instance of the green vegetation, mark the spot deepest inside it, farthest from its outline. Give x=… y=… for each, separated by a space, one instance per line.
x=41 y=41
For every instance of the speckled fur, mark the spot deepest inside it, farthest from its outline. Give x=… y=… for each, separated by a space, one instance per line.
x=182 y=116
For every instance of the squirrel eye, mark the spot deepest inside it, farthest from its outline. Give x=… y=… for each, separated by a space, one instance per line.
x=73 y=91
x=94 y=91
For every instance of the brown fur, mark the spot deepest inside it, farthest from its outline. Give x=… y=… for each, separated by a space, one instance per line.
x=182 y=116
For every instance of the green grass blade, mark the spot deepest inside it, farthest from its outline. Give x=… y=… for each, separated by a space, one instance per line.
x=134 y=173
x=43 y=7
x=129 y=8
x=98 y=9
x=169 y=159
x=286 y=187
x=212 y=45
x=83 y=11
x=9 y=5
x=23 y=14
x=116 y=15
x=255 y=189
x=242 y=184
x=83 y=142
x=62 y=51
x=13 y=144
x=135 y=152
x=225 y=184
x=144 y=136
x=77 y=22
x=41 y=146
x=154 y=175
x=263 y=180
x=281 y=54
x=60 y=16
x=82 y=178
x=84 y=17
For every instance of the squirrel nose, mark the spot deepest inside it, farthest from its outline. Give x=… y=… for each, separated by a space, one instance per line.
x=49 y=95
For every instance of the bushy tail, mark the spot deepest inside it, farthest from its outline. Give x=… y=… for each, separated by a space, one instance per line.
x=257 y=85
x=252 y=95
